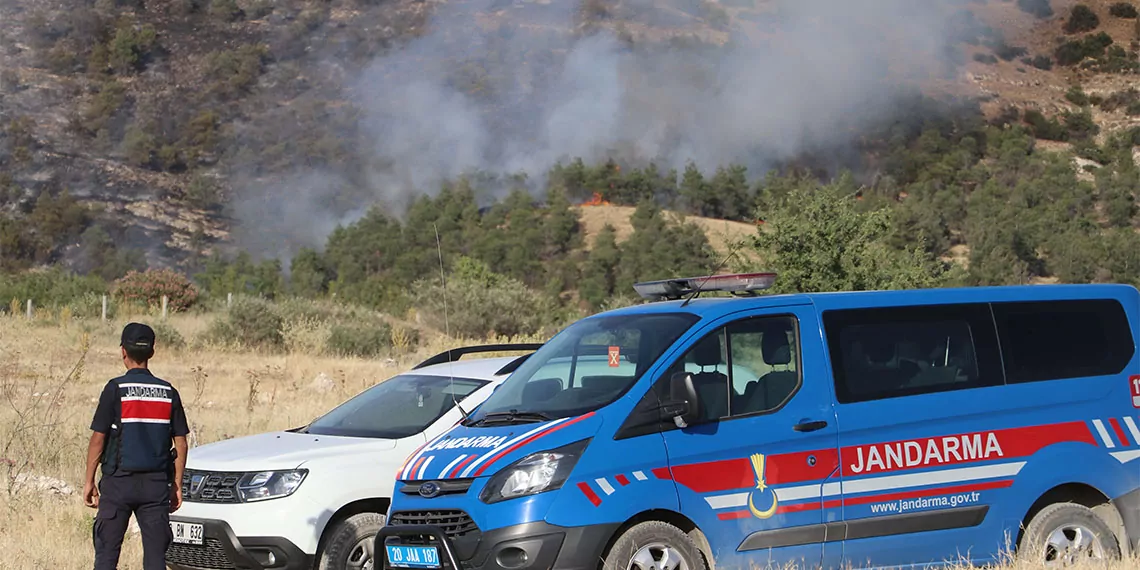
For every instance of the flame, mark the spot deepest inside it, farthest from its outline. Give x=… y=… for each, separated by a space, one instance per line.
x=596 y=200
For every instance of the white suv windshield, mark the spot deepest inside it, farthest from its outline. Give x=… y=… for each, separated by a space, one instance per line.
x=401 y=406
x=586 y=366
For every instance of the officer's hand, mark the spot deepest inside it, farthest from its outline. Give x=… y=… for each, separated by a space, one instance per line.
x=175 y=498
x=90 y=495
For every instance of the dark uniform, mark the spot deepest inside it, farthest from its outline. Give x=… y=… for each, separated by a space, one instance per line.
x=140 y=415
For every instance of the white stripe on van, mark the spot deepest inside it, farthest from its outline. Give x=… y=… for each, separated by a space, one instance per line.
x=407 y=471
x=605 y=485
x=467 y=471
x=443 y=474
x=1132 y=428
x=641 y=476
x=420 y=475
x=890 y=482
x=1126 y=456
x=1104 y=434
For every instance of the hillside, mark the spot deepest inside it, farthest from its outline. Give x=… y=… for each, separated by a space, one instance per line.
x=200 y=126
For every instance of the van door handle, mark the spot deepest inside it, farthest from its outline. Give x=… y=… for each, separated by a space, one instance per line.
x=810 y=426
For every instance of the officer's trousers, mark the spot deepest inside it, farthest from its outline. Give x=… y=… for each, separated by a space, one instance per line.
x=147 y=495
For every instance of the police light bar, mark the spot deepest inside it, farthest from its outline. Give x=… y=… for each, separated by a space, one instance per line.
x=672 y=289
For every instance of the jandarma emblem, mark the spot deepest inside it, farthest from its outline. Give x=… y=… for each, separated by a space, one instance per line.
x=765 y=493
x=429 y=489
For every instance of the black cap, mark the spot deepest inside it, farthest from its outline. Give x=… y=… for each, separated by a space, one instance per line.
x=137 y=335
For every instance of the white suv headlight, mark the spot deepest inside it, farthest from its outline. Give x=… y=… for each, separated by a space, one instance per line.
x=264 y=485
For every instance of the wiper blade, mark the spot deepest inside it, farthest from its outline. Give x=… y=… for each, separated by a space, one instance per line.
x=512 y=417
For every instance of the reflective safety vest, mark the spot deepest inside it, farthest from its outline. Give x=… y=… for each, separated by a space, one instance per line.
x=141 y=437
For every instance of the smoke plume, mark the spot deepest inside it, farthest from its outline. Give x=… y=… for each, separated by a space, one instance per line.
x=803 y=75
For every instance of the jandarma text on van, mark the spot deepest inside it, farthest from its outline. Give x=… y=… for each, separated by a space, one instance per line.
x=938 y=451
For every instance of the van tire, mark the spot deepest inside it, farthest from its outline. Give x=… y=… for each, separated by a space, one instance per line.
x=344 y=538
x=651 y=536
x=1065 y=519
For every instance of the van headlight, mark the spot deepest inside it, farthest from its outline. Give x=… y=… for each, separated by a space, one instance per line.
x=533 y=474
x=265 y=485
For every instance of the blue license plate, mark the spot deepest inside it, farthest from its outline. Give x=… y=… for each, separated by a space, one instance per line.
x=413 y=556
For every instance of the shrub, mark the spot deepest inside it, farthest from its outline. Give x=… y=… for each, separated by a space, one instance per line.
x=1077 y=96
x=475 y=310
x=1040 y=62
x=364 y=341
x=1116 y=60
x=131 y=47
x=166 y=335
x=1080 y=125
x=985 y=58
x=50 y=288
x=1123 y=10
x=148 y=287
x=1039 y=8
x=250 y=323
x=1120 y=100
x=1081 y=19
x=1008 y=52
x=1048 y=129
x=1075 y=51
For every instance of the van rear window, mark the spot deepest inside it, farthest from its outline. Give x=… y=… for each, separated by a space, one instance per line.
x=1063 y=339
x=903 y=351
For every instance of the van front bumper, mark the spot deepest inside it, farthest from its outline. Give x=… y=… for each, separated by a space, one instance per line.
x=534 y=545
x=222 y=549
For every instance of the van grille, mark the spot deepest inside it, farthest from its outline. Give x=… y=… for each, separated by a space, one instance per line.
x=453 y=523
x=215 y=486
x=209 y=555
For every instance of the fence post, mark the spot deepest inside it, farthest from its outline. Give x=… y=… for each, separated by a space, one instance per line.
x=229 y=299
x=29 y=309
x=164 y=307
x=104 y=308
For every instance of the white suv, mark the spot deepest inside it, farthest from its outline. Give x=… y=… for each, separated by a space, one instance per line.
x=315 y=496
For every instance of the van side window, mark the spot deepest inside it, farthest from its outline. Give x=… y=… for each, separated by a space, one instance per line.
x=749 y=366
x=1063 y=339
x=901 y=351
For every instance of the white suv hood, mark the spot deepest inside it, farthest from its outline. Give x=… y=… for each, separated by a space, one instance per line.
x=279 y=450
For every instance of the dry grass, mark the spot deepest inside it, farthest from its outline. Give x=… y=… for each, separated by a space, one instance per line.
x=51 y=375
x=723 y=235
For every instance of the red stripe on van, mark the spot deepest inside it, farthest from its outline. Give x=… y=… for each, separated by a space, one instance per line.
x=621 y=479
x=1014 y=442
x=461 y=465
x=590 y=494
x=1120 y=433
x=732 y=515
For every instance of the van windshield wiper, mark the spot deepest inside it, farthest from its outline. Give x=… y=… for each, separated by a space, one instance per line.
x=511 y=417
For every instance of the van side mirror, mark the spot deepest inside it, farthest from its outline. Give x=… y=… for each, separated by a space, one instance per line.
x=683 y=405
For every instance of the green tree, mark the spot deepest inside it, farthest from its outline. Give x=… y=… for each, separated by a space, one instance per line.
x=819 y=240
x=309 y=275
x=1081 y=19
x=599 y=273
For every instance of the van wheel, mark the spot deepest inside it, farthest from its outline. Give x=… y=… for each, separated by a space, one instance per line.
x=1064 y=534
x=351 y=543
x=654 y=545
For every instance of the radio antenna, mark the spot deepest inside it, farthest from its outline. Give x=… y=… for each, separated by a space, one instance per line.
x=697 y=290
x=446 y=326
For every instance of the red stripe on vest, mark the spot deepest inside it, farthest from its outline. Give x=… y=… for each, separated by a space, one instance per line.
x=145 y=410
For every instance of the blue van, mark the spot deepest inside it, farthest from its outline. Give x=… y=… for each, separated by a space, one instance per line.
x=861 y=429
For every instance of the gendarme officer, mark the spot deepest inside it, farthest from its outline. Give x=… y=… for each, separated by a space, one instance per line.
x=138 y=418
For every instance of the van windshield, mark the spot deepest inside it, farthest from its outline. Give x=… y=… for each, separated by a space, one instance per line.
x=586 y=366
x=399 y=407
